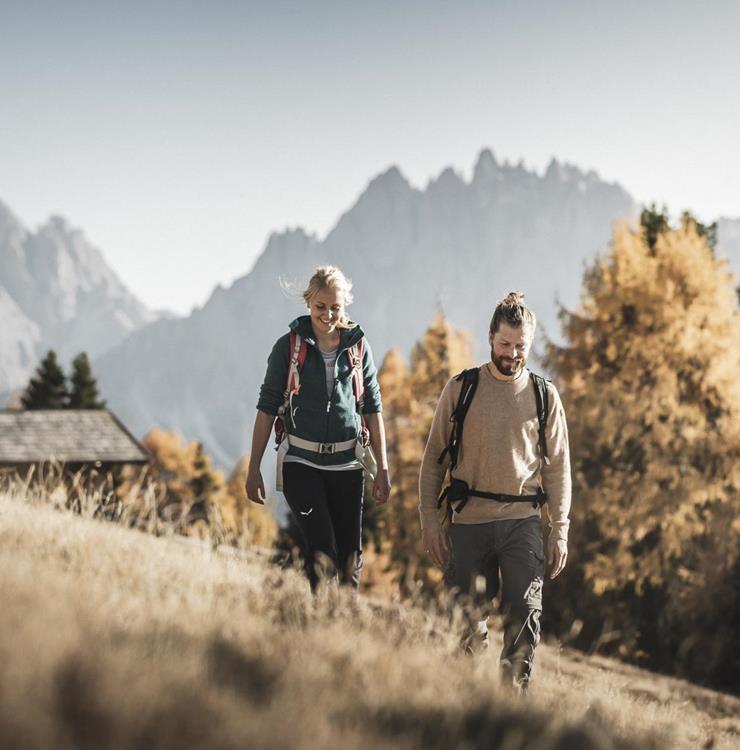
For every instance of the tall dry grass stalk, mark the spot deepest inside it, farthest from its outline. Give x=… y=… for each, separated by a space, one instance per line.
x=117 y=639
x=136 y=503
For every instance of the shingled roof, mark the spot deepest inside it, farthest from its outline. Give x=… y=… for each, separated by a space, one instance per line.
x=68 y=436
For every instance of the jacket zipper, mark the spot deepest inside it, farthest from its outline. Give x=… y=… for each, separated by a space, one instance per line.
x=334 y=386
x=333 y=390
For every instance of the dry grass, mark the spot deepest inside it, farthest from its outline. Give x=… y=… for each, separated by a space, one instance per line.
x=111 y=638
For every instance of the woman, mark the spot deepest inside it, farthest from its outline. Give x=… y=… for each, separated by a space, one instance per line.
x=322 y=393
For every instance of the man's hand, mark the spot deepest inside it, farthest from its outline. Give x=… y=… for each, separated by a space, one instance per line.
x=381 y=487
x=255 y=487
x=557 y=555
x=435 y=544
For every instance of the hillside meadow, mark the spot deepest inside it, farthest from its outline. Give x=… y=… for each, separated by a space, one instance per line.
x=114 y=638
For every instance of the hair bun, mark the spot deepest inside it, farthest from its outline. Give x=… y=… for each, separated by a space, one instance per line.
x=514 y=298
x=513 y=310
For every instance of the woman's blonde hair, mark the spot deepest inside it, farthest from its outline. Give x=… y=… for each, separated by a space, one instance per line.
x=330 y=277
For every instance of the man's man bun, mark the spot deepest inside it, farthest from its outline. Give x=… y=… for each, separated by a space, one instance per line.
x=513 y=311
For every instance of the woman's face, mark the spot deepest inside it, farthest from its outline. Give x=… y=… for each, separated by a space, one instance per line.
x=326 y=308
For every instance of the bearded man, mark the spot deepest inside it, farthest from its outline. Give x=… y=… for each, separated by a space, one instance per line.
x=514 y=459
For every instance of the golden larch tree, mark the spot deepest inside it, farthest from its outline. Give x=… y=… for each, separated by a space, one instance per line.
x=409 y=400
x=649 y=378
x=198 y=494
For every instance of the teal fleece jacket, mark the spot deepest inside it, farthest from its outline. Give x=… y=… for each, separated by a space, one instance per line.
x=314 y=417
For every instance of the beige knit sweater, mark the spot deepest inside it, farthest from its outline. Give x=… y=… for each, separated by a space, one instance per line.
x=500 y=453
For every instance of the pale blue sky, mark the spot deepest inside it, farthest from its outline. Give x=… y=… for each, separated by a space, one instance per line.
x=178 y=135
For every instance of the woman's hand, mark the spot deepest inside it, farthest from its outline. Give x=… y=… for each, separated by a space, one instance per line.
x=260 y=435
x=382 y=483
x=381 y=487
x=255 y=487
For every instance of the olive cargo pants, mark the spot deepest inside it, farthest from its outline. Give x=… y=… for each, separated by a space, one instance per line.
x=513 y=549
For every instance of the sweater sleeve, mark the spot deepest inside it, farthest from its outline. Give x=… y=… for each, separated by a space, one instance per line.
x=433 y=473
x=556 y=476
x=273 y=387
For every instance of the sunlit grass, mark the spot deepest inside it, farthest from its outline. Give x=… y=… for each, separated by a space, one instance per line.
x=116 y=638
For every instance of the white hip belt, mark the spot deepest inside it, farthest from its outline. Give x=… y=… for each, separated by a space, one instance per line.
x=363 y=454
x=322 y=448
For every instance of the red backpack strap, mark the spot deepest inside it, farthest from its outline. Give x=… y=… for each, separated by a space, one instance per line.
x=297 y=348
x=356 y=354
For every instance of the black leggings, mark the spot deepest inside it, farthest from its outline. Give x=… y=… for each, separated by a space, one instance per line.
x=327 y=506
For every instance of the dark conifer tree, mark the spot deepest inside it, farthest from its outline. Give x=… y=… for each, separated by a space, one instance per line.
x=84 y=390
x=47 y=389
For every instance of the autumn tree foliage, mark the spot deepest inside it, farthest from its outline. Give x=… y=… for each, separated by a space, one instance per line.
x=196 y=495
x=410 y=396
x=649 y=377
x=401 y=415
x=441 y=353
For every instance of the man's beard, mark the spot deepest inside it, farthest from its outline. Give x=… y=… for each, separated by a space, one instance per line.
x=506 y=365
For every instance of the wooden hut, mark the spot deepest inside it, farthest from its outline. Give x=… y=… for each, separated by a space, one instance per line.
x=93 y=441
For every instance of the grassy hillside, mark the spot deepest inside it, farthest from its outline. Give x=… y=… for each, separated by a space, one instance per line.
x=111 y=638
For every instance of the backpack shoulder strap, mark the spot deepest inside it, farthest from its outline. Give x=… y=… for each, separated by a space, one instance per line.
x=356 y=354
x=302 y=352
x=469 y=380
x=298 y=348
x=542 y=398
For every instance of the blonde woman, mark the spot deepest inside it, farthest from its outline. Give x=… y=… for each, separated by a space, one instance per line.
x=321 y=392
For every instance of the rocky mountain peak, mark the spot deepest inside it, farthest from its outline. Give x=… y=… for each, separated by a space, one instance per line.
x=448 y=179
x=486 y=168
x=11 y=229
x=389 y=185
x=7 y=217
x=405 y=250
x=56 y=284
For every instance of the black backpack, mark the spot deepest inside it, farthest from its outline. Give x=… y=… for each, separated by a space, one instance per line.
x=458 y=490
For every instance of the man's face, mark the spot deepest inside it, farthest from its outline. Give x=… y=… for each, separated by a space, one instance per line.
x=510 y=348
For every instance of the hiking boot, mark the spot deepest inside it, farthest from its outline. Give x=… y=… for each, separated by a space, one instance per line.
x=513 y=679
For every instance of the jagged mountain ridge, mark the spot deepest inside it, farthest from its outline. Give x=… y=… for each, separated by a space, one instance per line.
x=57 y=292
x=459 y=244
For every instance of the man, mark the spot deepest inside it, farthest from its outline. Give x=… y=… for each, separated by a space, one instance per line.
x=505 y=454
